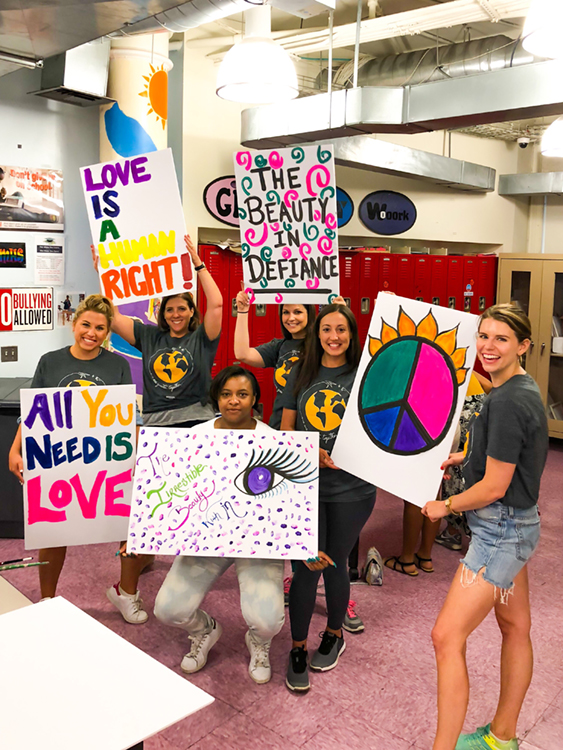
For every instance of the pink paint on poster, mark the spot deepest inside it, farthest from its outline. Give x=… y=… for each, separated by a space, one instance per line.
x=431 y=392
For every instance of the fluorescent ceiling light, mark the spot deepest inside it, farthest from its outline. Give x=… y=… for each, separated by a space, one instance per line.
x=543 y=28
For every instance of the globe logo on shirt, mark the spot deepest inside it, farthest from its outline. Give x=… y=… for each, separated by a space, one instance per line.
x=170 y=366
x=80 y=380
x=409 y=392
x=283 y=371
x=322 y=407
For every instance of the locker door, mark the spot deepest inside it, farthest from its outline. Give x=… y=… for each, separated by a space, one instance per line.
x=405 y=276
x=348 y=266
x=422 y=278
x=486 y=282
x=470 y=298
x=439 y=279
x=217 y=261
x=455 y=282
x=388 y=273
x=265 y=326
x=367 y=292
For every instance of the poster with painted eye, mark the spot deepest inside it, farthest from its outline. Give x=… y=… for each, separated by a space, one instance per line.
x=224 y=493
x=288 y=224
x=137 y=223
x=78 y=447
x=407 y=397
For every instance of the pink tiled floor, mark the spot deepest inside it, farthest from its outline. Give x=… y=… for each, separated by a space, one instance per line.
x=382 y=694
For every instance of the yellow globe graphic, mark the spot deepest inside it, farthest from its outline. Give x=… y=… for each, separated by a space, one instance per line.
x=170 y=367
x=324 y=410
x=283 y=371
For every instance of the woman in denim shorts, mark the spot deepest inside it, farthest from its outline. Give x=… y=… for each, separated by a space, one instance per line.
x=502 y=465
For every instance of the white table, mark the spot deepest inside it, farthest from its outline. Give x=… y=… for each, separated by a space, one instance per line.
x=70 y=683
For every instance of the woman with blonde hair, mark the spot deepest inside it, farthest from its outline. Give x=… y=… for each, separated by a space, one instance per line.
x=84 y=363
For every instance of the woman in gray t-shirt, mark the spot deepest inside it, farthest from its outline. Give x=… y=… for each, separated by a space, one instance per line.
x=502 y=465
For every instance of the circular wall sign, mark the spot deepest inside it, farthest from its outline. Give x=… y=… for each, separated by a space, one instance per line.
x=220 y=199
x=387 y=212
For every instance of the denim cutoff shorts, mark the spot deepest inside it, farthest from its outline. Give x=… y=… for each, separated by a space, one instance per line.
x=503 y=539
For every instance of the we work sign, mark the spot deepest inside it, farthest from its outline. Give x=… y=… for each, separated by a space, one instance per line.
x=79 y=456
x=288 y=224
x=137 y=224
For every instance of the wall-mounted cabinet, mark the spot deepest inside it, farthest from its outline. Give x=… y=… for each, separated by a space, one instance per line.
x=535 y=283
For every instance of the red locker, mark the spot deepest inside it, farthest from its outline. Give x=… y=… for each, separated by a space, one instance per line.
x=388 y=273
x=348 y=265
x=439 y=279
x=470 y=298
x=235 y=285
x=368 y=273
x=405 y=276
x=217 y=261
x=486 y=281
x=422 y=277
x=455 y=282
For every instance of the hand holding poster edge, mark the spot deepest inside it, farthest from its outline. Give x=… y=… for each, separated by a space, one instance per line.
x=393 y=433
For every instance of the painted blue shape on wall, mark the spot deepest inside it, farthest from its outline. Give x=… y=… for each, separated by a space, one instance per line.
x=125 y=134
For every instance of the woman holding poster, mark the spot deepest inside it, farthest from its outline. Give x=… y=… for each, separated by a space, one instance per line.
x=85 y=363
x=315 y=398
x=178 y=352
x=505 y=455
x=234 y=393
x=279 y=354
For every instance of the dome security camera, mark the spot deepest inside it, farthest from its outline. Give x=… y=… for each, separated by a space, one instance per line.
x=523 y=142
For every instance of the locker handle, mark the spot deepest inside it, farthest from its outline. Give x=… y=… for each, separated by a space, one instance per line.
x=542 y=348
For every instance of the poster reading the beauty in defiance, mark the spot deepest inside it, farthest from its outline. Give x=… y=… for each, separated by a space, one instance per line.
x=79 y=455
x=31 y=198
x=225 y=493
x=407 y=397
x=288 y=224
x=137 y=224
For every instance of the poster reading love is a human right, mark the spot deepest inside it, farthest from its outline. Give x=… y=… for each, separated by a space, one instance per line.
x=288 y=224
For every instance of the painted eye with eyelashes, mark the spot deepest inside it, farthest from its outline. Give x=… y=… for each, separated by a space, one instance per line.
x=269 y=469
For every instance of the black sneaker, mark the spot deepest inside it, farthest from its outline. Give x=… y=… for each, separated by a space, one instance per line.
x=297 y=673
x=326 y=656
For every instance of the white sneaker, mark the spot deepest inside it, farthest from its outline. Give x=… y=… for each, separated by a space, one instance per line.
x=130 y=605
x=259 y=667
x=196 y=659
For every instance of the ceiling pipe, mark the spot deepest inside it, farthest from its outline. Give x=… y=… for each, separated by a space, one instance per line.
x=23 y=62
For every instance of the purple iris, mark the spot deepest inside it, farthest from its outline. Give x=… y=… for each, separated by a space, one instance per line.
x=258 y=480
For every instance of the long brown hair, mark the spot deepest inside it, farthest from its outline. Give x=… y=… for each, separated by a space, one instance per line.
x=513 y=316
x=311 y=311
x=310 y=363
x=195 y=320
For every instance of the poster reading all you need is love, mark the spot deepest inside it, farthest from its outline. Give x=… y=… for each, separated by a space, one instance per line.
x=137 y=224
x=79 y=454
x=288 y=224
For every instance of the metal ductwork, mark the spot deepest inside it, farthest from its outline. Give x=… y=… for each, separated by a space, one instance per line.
x=516 y=93
x=534 y=183
x=361 y=152
x=450 y=61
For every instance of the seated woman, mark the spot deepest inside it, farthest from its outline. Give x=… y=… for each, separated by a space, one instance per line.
x=234 y=392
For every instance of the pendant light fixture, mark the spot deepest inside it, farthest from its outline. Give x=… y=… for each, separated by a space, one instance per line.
x=543 y=28
x=257 y=70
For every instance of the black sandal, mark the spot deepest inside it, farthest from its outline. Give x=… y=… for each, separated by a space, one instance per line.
x=399 y=566
x=418 y=560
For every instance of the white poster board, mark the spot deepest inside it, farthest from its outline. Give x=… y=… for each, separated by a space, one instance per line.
x=407 y=397
x=225 y=493
x=137 y=224
x=288 y=224
x=26 y=309
x=78 y=448
x=50 y=260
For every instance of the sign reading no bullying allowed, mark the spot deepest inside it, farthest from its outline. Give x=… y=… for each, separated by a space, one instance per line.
x=26 y=309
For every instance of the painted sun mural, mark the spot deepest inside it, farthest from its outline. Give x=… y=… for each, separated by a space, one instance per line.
x=156 y=91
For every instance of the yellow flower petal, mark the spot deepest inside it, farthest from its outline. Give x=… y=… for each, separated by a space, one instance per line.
x=388 y=333
x=427 y=328
x=447 y=340
x=374 y=345
x=406 y=324
x=458 y=358
x=461 y=376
